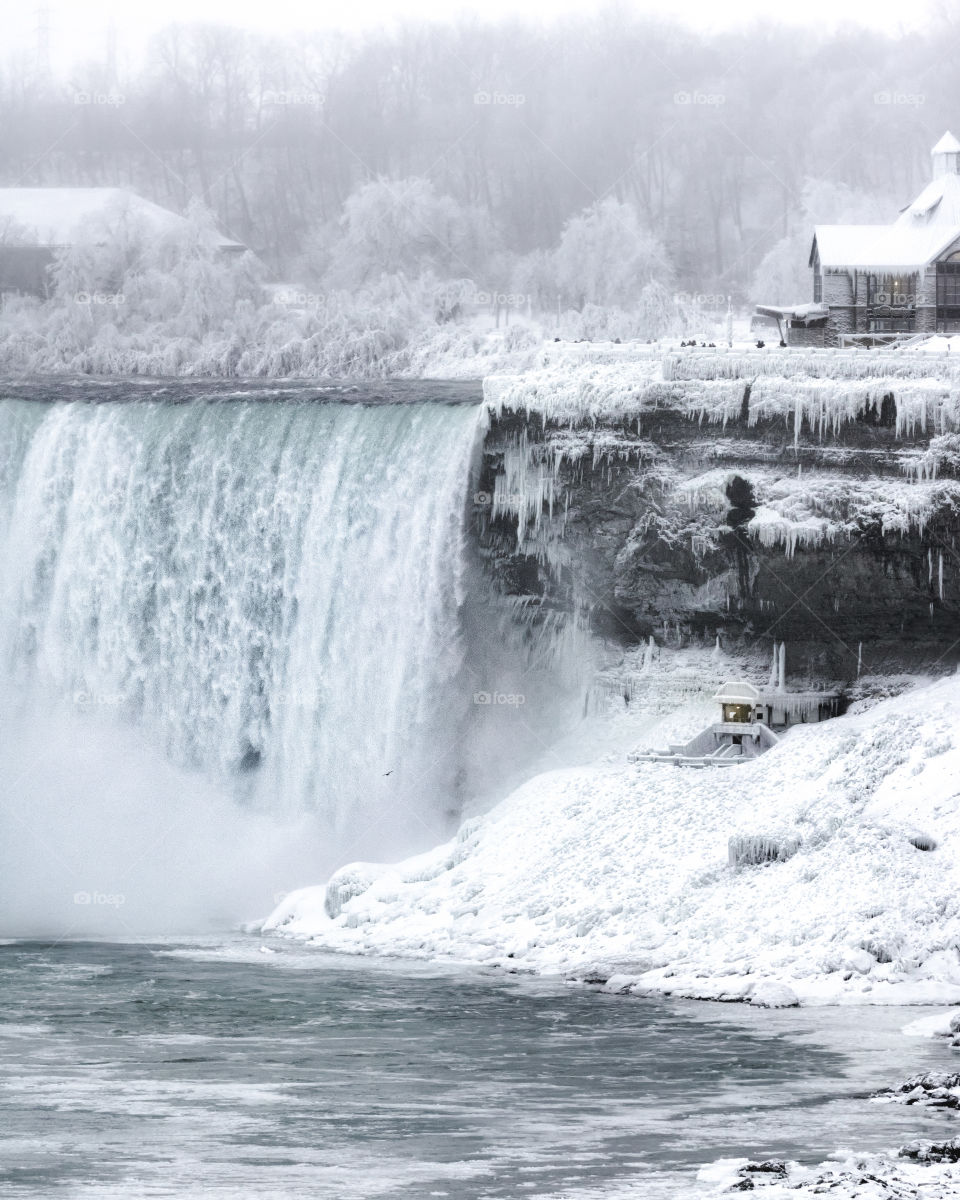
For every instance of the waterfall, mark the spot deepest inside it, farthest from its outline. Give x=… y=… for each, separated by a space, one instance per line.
x=268 y=592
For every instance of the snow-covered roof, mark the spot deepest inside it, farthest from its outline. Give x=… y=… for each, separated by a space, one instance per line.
x=922 y=231
x=55 y=216
x=907 y=245
x=795 y=312
x=738 y=692
x=938 y=205
x=948 y=144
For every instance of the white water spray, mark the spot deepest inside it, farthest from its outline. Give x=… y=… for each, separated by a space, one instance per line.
x=266 y=593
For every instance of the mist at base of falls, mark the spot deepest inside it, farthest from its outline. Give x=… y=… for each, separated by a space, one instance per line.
x=242 y=643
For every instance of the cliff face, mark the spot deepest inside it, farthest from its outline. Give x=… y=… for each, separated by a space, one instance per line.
x=839 y=537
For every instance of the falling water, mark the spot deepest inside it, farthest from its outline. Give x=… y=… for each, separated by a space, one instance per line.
x=268 y=593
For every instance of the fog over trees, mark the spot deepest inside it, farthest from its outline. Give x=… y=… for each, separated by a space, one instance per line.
x=604 y=177
x=490 y=140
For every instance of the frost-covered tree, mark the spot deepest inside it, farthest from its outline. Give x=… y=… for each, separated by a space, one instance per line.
x=607 y=257
x=784 y=276
x=405 y=227
x=534 y=275
x=167 y=284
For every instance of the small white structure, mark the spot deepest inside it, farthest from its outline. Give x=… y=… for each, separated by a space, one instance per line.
x=750 y=720
x=738 y=702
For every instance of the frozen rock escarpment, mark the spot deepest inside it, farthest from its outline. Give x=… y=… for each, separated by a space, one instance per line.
x=622 y=874
x=732 y=494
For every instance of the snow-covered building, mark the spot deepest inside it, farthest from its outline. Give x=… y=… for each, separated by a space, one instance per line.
x=750 y=721
x=36 y=222
x=902 y=278
x=743 y=704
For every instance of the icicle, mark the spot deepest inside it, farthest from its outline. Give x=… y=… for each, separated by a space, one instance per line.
x=930 y=566
x=773 y=668
x=940 y=575
x=931 y=610
x=859 y=658
x=648 y=654
x=782 y=669
x=717 y=649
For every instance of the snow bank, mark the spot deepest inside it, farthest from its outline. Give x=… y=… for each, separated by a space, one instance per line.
x=851 y=1177
x=934 y=1026
x=814 y=392
x=939 y=344
x=812 y=363
x=623 y=870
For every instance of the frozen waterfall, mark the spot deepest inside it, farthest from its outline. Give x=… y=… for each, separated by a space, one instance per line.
x=268 y=593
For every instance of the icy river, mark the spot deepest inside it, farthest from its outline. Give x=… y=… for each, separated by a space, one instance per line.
x=228 y=1068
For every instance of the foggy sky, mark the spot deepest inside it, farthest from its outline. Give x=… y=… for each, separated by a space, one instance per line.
x=79 y=28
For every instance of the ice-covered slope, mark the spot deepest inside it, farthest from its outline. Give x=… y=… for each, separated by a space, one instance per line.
x=622 y=872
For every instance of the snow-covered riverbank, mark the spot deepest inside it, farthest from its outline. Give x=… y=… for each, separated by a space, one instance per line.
x=621 y=873
x=852 y=1177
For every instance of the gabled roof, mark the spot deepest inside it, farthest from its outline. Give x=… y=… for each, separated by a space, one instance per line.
x=56 y=216
x=922 y=231
x=948 y=144
x=937 y=204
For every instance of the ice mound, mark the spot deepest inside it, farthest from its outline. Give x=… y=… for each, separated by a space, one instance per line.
x=630 y=864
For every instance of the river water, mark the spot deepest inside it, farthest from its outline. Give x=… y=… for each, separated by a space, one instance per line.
x=230 y=1068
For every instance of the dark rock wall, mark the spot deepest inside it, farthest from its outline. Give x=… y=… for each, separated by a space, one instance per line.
x=632 y=551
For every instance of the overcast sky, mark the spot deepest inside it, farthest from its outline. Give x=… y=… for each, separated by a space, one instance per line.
x=78 y=28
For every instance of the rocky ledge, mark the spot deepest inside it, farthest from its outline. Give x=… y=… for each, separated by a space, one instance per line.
x=690 y=508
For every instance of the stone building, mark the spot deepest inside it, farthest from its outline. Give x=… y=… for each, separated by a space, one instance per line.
x=898 y=279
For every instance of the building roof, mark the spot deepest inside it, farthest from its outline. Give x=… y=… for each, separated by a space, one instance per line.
x=922 y=231
x=906 y=246
x=938 y=205
x=56 y=216
x=795 y=312
x=948 y=144
x=738 y=692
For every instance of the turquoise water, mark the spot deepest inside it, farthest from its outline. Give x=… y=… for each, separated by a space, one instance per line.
x=219 y=1069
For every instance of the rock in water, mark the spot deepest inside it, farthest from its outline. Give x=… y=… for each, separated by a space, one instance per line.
x=768 y=994
x=932 y=1152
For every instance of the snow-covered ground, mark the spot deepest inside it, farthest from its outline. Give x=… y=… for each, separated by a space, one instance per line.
x=622 y=872
x=816 y=391
x=622 y=875
x=851 y=1177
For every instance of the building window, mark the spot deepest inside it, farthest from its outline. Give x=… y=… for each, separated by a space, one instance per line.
x=817 y=286
x=904 y=324
x=948 y=291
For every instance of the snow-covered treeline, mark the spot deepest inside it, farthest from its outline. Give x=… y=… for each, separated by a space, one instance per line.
x=520 y=122
x=127 y=300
